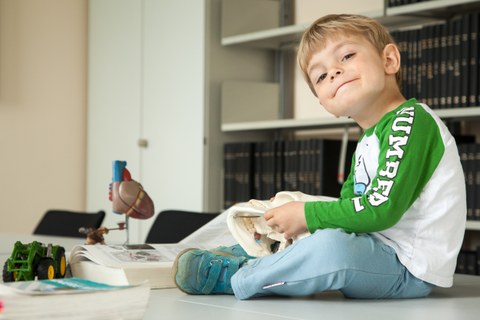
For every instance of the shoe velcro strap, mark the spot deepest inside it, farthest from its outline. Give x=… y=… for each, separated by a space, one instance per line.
x=213 y=275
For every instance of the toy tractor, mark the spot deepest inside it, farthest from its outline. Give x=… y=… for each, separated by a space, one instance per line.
x=35 y=260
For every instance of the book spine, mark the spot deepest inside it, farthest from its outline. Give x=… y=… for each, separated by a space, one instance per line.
x=257 y=170
x=228 y=174
x=473 y=72
x=436 y=55
x=475 y=193
x=279 y=166
x=422 y=83
x=450 y=61
x=269 y=170
x=457 y=49
x=464 y=60
x=478 y=260
x=443 y=65
x=470 y=174
x=461 y=262
x=319 y=160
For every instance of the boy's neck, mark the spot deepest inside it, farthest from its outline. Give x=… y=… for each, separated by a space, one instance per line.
x=382 y=107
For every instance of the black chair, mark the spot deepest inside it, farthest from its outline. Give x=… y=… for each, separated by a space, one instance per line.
x=171 y=226
x=67 y=223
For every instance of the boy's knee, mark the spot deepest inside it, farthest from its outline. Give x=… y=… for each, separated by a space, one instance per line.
x=330 y=244
x=336 y=238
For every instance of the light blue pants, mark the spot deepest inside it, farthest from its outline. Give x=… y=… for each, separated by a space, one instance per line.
x=359 y=265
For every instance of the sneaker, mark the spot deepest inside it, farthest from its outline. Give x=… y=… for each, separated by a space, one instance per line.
x=198 y=271
x=235 y=250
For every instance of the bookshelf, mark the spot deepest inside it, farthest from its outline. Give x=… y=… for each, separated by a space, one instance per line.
x=393 y=18
x=286 y=37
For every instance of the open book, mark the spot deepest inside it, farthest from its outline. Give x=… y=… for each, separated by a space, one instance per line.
x=72 y=298
x=125 y=264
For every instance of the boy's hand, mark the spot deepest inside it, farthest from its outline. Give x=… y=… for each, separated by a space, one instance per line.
x=288 y=219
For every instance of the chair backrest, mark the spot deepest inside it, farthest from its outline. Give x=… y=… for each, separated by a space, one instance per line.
x=67 y=223
x=171 y=226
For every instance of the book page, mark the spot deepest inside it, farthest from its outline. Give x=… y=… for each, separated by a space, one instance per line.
x=121 y=256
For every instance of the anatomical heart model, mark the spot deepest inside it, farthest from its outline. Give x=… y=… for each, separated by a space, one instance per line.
x=128 y=196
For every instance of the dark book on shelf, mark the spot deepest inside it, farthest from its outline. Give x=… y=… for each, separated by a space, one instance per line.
x=461 y=262
x=443 y=66
x=259 y=170
x=290 y=157
x=465 y=60
x=473 y=61
x=457 y=57
x=478 y=260
x=476 y=182
x=470 y=159
x=471 y=263
x=238 y=169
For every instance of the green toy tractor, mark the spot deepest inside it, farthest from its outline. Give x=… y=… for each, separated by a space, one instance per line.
x=35 y=260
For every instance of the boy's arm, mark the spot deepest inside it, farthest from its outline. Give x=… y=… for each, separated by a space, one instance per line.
x=410 y=150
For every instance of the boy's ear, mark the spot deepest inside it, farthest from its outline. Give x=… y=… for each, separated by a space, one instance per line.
x=391 y=57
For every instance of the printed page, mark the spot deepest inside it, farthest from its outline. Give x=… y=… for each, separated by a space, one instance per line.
x=124 y=256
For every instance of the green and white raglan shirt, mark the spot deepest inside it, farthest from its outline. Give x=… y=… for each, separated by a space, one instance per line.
x=407 y=188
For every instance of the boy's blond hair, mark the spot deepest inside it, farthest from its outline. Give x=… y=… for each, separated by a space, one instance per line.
x=329 y=26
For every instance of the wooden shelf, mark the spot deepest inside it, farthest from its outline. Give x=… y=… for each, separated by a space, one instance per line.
x=473 y=225
x=287 y=124
x=267 y=39
x=330 y=122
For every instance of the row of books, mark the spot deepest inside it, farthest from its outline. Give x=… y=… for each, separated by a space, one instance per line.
x=470 y=158
x=396 y=3
x=258 y=170
x=468 y=262
x=440 y=62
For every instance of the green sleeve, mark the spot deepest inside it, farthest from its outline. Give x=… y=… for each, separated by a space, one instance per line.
x=410 y=150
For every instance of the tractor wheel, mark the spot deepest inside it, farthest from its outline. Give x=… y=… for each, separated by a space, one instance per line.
x=61 y=262
x=46 y=269
x=7 y=276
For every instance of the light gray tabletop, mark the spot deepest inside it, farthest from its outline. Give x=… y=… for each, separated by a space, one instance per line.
x=461 y=302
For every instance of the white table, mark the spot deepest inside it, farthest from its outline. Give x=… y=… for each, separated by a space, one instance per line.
x=461 y=302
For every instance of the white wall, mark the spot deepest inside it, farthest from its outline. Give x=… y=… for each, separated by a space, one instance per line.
x=42 y=109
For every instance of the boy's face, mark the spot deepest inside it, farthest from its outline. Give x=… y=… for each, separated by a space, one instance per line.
x=348 y=76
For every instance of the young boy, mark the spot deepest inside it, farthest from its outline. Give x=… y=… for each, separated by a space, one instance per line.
x=397 y=228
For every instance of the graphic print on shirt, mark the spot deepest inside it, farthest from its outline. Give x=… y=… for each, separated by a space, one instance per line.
x=361 y=179
x=366 y=164
x=368 y=151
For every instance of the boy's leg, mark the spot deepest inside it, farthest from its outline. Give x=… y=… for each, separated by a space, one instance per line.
x=360 y=266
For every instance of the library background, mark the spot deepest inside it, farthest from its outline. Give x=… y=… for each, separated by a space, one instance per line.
x=310 y=151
